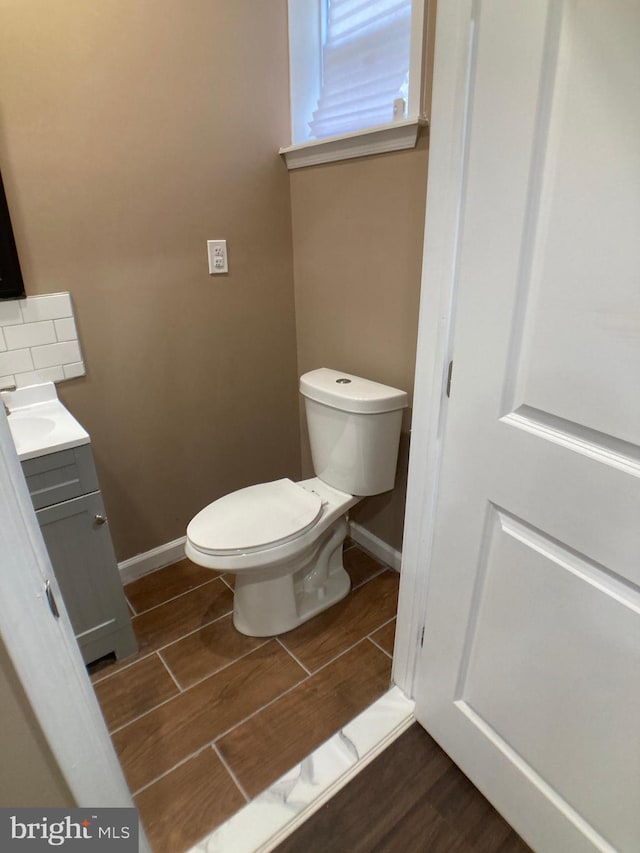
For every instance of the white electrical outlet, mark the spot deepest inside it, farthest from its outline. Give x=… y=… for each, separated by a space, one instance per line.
x=217 y=251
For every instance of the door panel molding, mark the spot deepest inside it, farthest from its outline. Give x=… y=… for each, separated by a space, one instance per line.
x=581 y=439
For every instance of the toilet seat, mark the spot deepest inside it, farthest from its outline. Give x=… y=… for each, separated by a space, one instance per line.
x=255 y=518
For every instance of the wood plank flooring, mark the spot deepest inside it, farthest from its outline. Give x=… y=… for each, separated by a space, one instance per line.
x=160 y=739
x=174 y=821
x=321 y=639
x=411 y=799
x=266 y=746
x=204 y=718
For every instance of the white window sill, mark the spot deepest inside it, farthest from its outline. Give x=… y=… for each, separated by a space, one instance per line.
x=394 y=136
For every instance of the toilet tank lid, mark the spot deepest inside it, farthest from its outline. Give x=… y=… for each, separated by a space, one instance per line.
x=351 y=393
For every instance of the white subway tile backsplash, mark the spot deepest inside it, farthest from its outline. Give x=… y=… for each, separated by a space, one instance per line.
x=49 y=307
x=6 y=381
x=53 y=354
x=39 y=340
x=36 y=377
x=10 y=313
x=30 y=334
x=16 y=361
x=66 y=329
x=71 y=371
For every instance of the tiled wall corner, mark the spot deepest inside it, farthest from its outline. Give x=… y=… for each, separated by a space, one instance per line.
x=39 y=341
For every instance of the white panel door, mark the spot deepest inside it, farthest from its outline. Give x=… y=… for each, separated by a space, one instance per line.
x=529 y=676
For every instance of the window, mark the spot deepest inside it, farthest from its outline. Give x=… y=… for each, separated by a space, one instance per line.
x=355 y=77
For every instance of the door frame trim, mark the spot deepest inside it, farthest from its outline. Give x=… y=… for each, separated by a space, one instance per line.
x=445 y=192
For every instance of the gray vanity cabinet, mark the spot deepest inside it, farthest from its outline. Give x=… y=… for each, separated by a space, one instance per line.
x=65 y=493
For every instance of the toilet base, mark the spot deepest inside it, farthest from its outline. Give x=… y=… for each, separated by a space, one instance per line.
x=264 y=607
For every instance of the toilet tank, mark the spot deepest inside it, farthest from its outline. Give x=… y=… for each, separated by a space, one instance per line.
x=354 y=430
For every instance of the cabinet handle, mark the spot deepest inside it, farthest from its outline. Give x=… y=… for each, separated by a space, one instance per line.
x=51 y=599
x=100 y=519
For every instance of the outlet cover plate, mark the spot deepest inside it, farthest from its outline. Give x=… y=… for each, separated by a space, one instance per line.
x=217 y=252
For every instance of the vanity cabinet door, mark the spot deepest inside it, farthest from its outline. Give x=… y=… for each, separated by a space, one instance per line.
x=79 y=545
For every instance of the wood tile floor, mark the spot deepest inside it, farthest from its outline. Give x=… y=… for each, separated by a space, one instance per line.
x=204 y=718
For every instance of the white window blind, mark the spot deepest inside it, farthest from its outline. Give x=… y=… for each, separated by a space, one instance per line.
x=365 y=65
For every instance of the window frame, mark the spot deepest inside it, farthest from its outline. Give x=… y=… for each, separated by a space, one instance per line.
x=306 y=36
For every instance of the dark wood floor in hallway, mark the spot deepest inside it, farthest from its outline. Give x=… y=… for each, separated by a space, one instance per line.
x=411 y=799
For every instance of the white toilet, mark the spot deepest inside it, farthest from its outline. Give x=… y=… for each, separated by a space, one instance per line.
x=283 y=540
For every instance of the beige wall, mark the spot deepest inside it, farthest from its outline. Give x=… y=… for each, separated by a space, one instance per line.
x=130 y=133
x=358 y=230
x=30 y=775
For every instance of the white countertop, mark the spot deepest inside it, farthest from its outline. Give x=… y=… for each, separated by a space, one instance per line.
x=39 y=422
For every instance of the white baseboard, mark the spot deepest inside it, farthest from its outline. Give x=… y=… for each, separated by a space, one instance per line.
x=142 y=564
x=375 y=546
x=156 y=558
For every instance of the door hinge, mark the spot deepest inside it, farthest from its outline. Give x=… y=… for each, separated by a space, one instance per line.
x=53 y=607
x=422 y=637
x=449 y=378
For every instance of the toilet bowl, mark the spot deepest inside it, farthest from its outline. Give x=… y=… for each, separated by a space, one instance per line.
x=283 y=540
x=284 y=545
